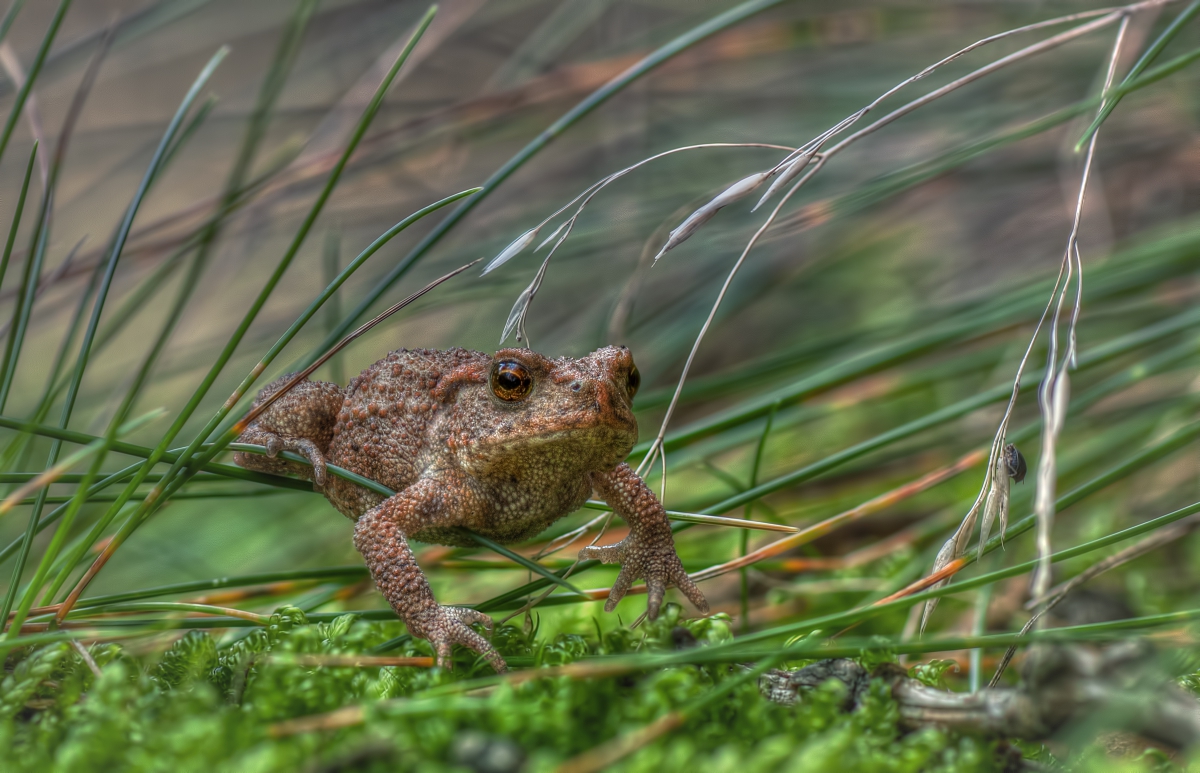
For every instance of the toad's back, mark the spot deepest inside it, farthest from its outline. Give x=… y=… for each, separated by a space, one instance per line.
x=382 y=429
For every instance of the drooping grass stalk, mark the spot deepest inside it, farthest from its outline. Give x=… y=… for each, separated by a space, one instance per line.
x=1122 y=15
x=648 y=63
x=784 y=172
x=1054 y=390
x=163 y=488
x=98 y=306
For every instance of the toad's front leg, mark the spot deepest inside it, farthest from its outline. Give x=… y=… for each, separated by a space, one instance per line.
x=649 y=550
x=379 y=535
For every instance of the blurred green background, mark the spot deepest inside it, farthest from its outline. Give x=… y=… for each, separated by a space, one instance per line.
x=926 y=241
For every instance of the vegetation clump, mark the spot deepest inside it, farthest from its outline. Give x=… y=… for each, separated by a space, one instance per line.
x=199 y=707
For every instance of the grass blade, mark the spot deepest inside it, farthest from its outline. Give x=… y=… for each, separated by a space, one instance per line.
x=1146 y=59
x=34 y=69
x=161 y=492
x=98 y=306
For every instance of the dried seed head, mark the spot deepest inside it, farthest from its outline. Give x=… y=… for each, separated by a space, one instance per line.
x=739 y=190
x=509 y=252
x=996 y=505
x=554 y=235
x=949 y=552
x=520 y=309
x=789 y=173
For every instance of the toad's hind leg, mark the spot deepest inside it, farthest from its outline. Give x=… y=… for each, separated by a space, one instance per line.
x=301 y=421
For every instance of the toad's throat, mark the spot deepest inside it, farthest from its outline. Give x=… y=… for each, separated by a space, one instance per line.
x=560 y=453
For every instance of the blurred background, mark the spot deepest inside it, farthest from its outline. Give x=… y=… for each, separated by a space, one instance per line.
x=947 y=259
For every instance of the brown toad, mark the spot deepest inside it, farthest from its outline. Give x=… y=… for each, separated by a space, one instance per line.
x=503 y=445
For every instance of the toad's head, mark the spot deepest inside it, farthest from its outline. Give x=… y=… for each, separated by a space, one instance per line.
x=527 y=403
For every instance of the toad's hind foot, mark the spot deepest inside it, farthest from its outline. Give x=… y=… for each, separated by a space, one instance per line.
x=275 y=444
x=444 y=627
x=301 y=421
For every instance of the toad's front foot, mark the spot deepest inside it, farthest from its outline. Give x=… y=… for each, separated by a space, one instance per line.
x=447 y=626
x=654 y=561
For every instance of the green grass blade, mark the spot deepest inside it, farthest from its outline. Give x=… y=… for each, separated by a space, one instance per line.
x=355 y=573
x=333 y=308
x=144 y=452
x=332 y=288
x=16 y=222
x=98 y=306
x=1146 y=59
x=9 y=17
x=97 y=450
x=34 y=69
x=166 y=487
x=532 y=566
x=269 y=93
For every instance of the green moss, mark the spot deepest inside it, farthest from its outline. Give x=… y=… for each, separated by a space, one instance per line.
x=199 y=706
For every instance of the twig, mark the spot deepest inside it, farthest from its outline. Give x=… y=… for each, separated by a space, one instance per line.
x=1060 y=592
x=86 y=657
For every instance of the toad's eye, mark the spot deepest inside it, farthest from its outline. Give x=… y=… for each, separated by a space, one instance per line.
x=511 y=380
x=634 y=381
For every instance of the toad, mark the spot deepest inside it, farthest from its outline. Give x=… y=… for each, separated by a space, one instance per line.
x=502 y=445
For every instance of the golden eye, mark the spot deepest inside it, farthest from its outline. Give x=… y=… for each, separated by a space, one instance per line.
x=511 y=380
x=634 y=381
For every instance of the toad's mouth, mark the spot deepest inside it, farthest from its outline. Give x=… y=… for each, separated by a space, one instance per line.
x=591 y=426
